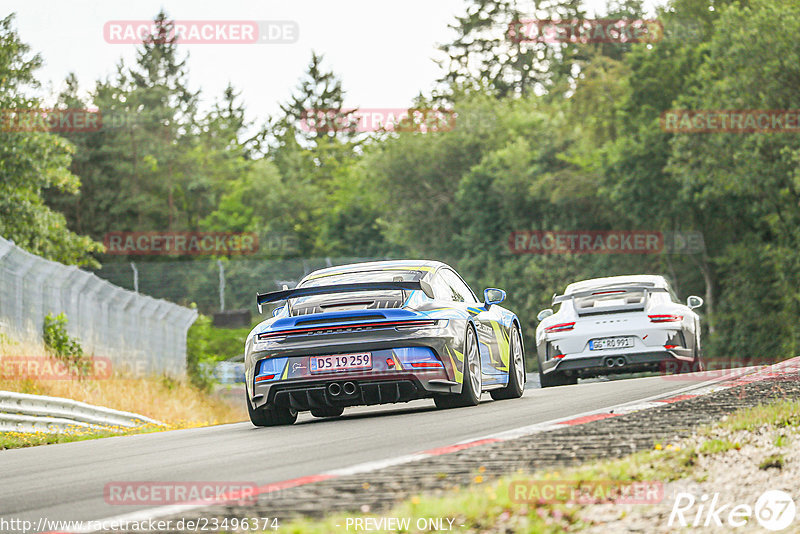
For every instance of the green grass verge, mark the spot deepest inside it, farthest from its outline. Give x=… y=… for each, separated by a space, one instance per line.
x=785 y=413
x=19 y=440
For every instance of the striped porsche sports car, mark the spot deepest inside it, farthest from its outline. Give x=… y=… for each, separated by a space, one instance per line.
x=376 y=333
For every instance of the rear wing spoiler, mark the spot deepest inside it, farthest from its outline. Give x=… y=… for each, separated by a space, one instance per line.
x=606 y=290
x=285 y=294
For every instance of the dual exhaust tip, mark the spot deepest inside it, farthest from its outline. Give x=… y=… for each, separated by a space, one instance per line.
x=335 y=389
x=615 y=362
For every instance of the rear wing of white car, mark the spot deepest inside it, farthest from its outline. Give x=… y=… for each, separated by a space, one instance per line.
x=610 y=295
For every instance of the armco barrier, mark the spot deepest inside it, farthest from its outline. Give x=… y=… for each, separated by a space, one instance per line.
x=134 y=331
x=20 y=412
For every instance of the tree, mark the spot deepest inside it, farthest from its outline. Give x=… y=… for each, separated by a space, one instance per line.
x=316 y=148
x=745 y=185
x=490 y=54
x=315 y=111
x=152 y=166
x=32 y=161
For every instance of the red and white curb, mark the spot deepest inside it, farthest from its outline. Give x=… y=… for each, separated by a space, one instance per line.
x=710 y=382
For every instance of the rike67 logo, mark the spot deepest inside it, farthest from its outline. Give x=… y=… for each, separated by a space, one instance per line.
x=774 y=510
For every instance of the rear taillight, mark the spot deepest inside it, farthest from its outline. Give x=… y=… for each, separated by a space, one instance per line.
x=563 y=327
x=426 y=364
x=670 y=347
x=417 y=324
x=665 y=318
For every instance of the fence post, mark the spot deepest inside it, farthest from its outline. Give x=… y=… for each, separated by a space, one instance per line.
x=221 y=285
x=135 y=278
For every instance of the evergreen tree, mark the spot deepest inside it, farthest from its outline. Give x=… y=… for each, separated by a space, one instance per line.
x=490 y=54
x=315 y=110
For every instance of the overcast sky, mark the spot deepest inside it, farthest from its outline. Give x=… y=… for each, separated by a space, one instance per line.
x=383 y=51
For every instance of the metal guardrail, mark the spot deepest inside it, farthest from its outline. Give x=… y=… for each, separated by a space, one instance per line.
x=20 y=412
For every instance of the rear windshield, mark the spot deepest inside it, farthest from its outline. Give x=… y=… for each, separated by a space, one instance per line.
x=608 y=297
x=364 y=276
x=355 y=299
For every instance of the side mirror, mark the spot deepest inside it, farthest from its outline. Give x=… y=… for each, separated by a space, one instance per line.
x=694 y=302
x=277 y=310
x=493 y=295
x=544 y=314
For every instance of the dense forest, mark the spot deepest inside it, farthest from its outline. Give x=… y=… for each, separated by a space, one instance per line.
x=564 y=135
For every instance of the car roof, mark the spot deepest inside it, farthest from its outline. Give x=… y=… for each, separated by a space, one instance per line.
x=644 y=279
x=387 y=265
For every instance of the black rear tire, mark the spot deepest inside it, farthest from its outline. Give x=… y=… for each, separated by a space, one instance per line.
x=556 y=379
x=516 y=381
x=468 y=395
x=698 y=364
x=270 y=415
x=327 y=411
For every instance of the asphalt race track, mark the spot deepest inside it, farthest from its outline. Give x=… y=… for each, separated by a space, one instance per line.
x=66 y=481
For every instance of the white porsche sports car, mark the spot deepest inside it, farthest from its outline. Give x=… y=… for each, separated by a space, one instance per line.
x=620 y=324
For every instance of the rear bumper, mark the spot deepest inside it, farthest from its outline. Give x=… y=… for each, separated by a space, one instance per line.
x=617 y=362
x=305 y=394
x=294 y=380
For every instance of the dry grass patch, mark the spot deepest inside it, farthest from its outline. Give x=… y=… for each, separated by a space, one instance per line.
x=173 y=401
